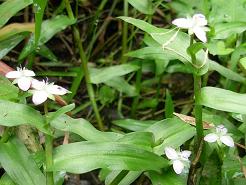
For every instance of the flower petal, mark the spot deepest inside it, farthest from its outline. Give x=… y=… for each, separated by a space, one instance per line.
x=24 y=83
x=178 y=166
x=200 y=20
x=39 y=97
x=38 y=85
x=211 y=138
x=200 y=33
x=171 y=153
x=27 y=72
x=186 y=154
x=183 y=23
x=56 y=89
x=227 y=140
x=13 y=74
x=221 y=129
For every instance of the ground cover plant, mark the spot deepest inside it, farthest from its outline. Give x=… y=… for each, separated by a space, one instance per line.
x=122 y=92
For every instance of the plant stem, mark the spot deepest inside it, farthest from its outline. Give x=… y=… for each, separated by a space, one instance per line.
x=198 y=108
x=48 y=152
x=124 y=33
x=84 y=68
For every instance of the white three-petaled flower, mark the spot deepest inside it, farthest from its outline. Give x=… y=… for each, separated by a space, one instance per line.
x=196 y=24
x=220 y=136
x=43 y=90
x=180 y=160
x=23 y=77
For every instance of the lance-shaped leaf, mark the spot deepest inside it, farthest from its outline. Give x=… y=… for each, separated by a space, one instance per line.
x=144 y=6
x=82 y=157
x=7 y=91
x=222 y=99
x=19 y=164
x=10 y=7
x=49 y=29
x=13 y=114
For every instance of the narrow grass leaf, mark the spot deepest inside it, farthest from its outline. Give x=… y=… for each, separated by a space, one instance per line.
x=10 y=7
x=144 y=6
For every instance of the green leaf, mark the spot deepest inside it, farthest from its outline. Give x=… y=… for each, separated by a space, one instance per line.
x=49 y=29
x=223 y=100
x=144 y=6
x=8 y=44
x=229 y=74
x=231 y=11
x=10 y=7
x=219 y=48
x=133 y=125
x=106 y=95
x=104 y=74
x=8 y=91
x=19 y=164
x=44 y=51
x=87 y=156
x=39 y=7
x=173 y=42
x=166 y=178
x=122 y=86
x=224 y=30
x=6 y=180
x=170 y=132
x=13 y=114
x=60 y=111
x=83 y=128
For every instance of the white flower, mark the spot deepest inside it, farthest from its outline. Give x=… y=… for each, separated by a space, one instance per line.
x=179 y=160
x=23 y=77
x=196 y=24
x=43 y=90
x=220 y=136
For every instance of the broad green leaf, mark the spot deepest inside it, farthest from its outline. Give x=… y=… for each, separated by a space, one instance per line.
x=106 y=95
x=174 y=42
x=13 y=114
x=83 y=128
x=6 y=180
x=61 y=111
x=144 y=140
x=227 y=73
x=170 y=132
x=14 y=29
x=166 y=178
x=104 y=74
x=219 y=48
x=227 y=11
x=122 y=86
x=10 y=7
x=144 y=6
x=124 y=177
x=224 y=30
x=133 y=125
x=39 y=7
x=19 y=164
x=8 y=91
x=8 y=44
x=49 y=29
x=223 y=100
x=82 y=157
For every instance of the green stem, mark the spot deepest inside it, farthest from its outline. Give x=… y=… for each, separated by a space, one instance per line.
x=124 y=33
x=198 y=108
x=84 y=68
x=48 y=152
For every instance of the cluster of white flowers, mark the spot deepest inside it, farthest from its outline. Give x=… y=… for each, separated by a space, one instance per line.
x=41 y=90
x=196 y=24
x=180 y=160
